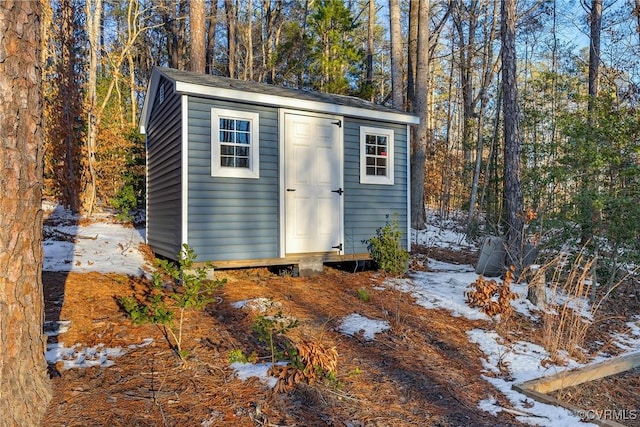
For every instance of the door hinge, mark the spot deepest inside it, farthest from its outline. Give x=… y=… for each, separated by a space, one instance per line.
x=337 y=123
x=339 y=191
x=338 y=247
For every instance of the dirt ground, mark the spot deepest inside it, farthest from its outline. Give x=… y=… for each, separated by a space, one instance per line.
x=422 y=372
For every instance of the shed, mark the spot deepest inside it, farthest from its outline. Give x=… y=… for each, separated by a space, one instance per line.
x=251 y=174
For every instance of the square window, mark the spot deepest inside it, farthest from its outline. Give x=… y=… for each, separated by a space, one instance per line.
x=234 y=144
x=376 y=155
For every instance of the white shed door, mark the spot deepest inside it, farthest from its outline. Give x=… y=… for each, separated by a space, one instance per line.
x=313 y=180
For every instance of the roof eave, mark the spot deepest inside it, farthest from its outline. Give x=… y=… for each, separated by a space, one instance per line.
x=287 y=102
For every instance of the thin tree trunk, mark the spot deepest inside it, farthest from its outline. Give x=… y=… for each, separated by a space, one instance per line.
x=132 y=89
x=636 y=12
x=396 y=55
x=370 y=48
x=232 y=28
x=169 y=17
x=588 y=206
x=131 y=29
x=412 y=46
x=270 y=37
x=488 y=71
x=211 y=36
x=512 y=185
x=249 y=63
x=492 y=150
x=198 y=60
x=466 y=52
x=421 y=135
x=94 y=12
x=594 y=51
x=24 y=383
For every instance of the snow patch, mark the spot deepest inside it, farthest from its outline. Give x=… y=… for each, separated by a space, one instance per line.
x=354 y=323
x=77 y=357
x=245 y=371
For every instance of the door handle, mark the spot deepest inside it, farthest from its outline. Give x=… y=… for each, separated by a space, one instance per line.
x=291 y=189
x=339 y=191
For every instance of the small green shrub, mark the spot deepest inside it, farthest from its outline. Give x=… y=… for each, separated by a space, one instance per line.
x=386 y=250
x=174 y=289
x=271 y=331
x=238 y=355
x=363 y=295
x=125 y=202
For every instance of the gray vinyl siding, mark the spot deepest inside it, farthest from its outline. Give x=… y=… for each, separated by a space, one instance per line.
x=163 y=174
x=232 y=218
x=366 y=206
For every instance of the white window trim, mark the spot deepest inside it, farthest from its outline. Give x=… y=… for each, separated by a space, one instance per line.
x=370 y=179
x=253 y=171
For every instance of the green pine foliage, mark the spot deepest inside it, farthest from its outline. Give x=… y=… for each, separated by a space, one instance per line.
x=175 y=289
x=333 y=52
x=386 y=249
x=601 y=160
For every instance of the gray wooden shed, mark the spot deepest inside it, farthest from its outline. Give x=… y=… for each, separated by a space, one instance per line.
x=250 y=174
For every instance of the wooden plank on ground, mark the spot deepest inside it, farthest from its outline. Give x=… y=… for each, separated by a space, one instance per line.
x=538 y=389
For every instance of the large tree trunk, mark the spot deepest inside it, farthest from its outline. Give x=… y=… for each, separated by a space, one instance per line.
x=197 y=61
x=421 y=134
x=67 y=111
x=24 y=385
x=512 y=185
x=396 y=54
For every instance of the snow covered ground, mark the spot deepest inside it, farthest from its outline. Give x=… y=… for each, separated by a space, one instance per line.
x=103 y=247
x=108 y=247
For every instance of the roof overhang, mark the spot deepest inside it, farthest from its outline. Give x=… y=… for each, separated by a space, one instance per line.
x=269 y=100
x=294 y=103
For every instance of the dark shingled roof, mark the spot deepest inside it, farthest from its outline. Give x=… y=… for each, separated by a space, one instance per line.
x=267 y=89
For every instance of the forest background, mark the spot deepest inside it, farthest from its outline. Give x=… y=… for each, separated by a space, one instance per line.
x=578 y=81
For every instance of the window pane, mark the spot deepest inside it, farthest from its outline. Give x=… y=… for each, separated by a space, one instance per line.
x=371 y=150
x=242 y=162
x=243 y=125
x=226 y=136
x=382 y=140
x=371 y=170
x=227 y=150
x=226 y=162
x=382 y=172
x=382 y=151
x=371 y=161
x=381 y=162
x=242 y=138
x=242 y=151
x=226 y=124
x=371 y=139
